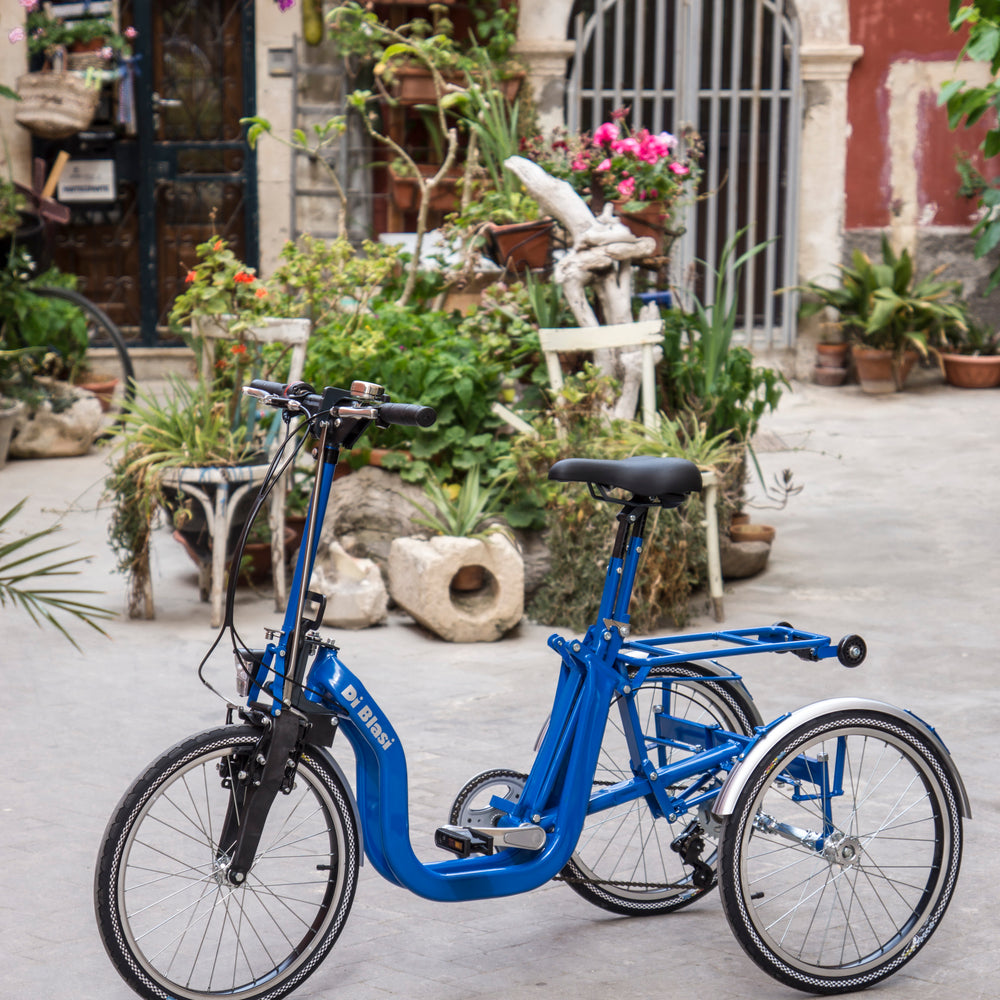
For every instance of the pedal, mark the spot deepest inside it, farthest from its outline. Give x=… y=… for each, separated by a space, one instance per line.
x=462 y=841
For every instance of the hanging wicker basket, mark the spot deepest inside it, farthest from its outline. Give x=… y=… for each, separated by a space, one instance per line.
x=55 y=105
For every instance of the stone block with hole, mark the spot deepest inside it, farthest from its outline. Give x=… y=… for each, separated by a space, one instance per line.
x=355 y=594
x=425 y=580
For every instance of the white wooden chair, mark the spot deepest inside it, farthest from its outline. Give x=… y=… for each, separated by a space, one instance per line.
x=645 y=335
x=229 y=483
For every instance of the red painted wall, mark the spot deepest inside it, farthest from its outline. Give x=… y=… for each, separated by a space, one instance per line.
x=894 y=31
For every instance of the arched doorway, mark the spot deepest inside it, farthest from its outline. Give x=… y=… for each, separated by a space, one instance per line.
x=731 y=69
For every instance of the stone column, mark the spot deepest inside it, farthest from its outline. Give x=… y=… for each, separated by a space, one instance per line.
x=546 y=51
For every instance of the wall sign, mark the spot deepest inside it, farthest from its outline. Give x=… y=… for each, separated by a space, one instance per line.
x=88 y=180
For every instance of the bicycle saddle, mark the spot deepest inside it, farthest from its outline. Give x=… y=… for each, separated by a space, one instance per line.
x=669 y=480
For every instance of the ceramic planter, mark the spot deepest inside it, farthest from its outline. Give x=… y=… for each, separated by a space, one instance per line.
x=651 y=220
x=879 y=371
x=406 y=192
x=520 y=245
x=971 y=371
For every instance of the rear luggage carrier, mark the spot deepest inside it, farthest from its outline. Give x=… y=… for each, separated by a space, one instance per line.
x=779 y=638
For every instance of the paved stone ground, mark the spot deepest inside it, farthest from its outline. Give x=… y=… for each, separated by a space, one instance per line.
x=894 y=536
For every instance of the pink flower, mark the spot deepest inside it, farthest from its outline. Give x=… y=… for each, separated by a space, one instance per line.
x=679 y=168
x=16 y=35
x=580 y=162
x=629 y=146
x=604 y=165
x=107 y=52
x=626 y=187
x=29 y=5
x=130 y=32
x=605 y=133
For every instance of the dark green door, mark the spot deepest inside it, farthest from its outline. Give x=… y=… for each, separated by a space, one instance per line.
x=183 y=170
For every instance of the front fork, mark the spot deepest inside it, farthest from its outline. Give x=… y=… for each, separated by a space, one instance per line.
x=254 y=779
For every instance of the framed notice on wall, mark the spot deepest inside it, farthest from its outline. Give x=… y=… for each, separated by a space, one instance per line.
x=87 y=180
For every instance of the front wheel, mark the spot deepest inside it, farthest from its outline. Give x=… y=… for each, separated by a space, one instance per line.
x=842 y=852
x=172 y=922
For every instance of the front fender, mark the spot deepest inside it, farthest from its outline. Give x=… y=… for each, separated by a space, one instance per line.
x=764 y=745
x=318 y=751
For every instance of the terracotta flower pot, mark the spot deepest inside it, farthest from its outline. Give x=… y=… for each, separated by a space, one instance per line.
x=650 y=220
x=972 y=371
x=520 y=245
x=831 y=355
x=752 y=533
x=406 y=193
x=879 y=371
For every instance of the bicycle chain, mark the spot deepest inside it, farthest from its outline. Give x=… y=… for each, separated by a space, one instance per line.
x=621 y=885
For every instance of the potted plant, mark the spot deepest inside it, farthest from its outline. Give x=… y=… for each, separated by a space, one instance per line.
x=497 y=215
x=189 y=426
x=645 y=176
x=466 y=583
x=60 y=96
x=889 y=316
x=44 y=343
x=971 y=359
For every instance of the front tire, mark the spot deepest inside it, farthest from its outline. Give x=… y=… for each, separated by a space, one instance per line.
x=172 y=923
x=835 y=903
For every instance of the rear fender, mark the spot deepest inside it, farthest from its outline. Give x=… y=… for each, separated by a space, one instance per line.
x=764 y=746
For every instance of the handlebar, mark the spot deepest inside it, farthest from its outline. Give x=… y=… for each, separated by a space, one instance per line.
x=300 y=396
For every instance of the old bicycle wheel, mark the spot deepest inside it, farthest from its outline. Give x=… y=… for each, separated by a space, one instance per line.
x=171 y=921
x=836 y=903
x=114 y=380
x=625 y=860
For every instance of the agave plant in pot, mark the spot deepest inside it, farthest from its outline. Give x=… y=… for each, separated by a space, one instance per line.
x=891 y=317
x=971 y=359
x=466 y=583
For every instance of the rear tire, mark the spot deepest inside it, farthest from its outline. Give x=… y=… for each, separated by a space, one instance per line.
x=833 y=904
x=623 y=860
x=172 y=923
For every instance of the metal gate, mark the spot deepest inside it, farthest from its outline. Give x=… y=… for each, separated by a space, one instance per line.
x=730 y=68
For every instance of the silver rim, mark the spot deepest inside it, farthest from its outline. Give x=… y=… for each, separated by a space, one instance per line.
x=854 y=901
x=194 y=933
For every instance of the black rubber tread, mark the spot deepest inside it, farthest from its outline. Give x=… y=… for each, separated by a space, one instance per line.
x=631 y=903
x=868 y=970
x=132 y=806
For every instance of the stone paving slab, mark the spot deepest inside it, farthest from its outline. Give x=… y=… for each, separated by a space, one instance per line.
x=894 y=536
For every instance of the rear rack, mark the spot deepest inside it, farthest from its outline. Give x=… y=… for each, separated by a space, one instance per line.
x=779 y=638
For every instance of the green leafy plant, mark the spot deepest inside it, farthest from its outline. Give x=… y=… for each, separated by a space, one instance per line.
x=40 y=336
x=189 y=425
x=703 y=375
x=220 y=284
x=579 y=529
x=46 y=34
x=968 y=104
x=885 y=306
x=462 y=511
x=26 y=580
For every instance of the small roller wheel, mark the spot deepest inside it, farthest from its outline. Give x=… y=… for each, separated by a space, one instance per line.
x=782 y=625
x=852 y=650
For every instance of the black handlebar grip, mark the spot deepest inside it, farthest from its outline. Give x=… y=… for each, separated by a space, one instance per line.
x=407 y=414
x=274 y=388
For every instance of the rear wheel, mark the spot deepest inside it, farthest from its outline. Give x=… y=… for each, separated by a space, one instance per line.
x=834 y=902
x=624 y=859
x=170 y=919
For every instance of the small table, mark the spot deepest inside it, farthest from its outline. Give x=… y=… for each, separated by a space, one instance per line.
x=218 y=489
